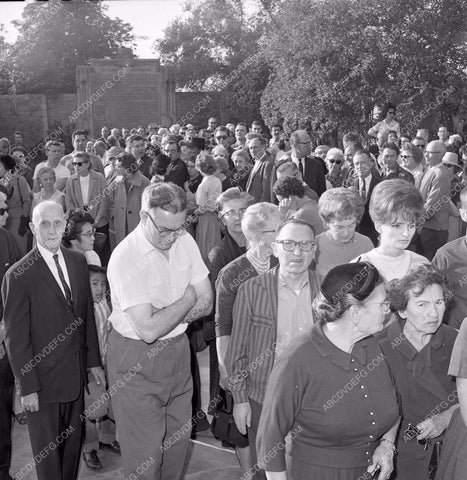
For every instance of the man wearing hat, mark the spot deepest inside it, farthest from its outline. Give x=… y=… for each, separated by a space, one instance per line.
x=176 y=172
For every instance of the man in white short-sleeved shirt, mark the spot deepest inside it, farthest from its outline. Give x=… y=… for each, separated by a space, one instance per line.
x=158 y=284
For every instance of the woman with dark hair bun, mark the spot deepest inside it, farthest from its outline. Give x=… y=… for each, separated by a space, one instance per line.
x=332 y=390
x=417 y=347
x=80 y=235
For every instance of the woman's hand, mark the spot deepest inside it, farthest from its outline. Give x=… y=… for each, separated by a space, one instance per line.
x=383 y=460
x=242 y=416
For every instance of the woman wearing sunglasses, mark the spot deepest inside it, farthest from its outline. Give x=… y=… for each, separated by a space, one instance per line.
x=335 y=161
x=418 y=347
x=382 y=128
x=411 y=158
x=332 y=389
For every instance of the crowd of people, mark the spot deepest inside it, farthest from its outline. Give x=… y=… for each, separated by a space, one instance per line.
x=327 y=283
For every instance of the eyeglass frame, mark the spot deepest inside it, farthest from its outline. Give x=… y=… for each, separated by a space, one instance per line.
x=230 y=213
x=165 y=233
x=301 y=244
x=336 y=161
x=78 y=164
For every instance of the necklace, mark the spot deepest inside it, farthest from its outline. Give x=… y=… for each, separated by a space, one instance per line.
x=261 y=266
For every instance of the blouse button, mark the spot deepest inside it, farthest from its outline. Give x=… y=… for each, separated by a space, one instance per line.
x=366 y=453
x=373 y=423
x=355 y=369
x=352 y=360
x=365 y=396
x=371 y=436
x=362 y=386
x=371 y=413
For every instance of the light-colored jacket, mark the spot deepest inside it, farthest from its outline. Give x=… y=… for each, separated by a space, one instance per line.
x=125 y=206
x=98 y=204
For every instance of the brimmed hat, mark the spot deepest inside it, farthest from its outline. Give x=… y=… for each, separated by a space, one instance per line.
x=451 y=158
x=8 y=162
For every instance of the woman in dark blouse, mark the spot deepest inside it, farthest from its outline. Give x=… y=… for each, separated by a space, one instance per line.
x=418 y=347
x=332 y=389
x=230 y=206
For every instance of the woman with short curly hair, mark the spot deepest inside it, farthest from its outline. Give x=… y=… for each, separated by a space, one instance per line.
x=418 y=346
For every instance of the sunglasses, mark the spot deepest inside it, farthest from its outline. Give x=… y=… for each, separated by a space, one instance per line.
x=420 y=146
x=3 y=211
x=222 y=137
x=337 y=162
x=405 y=156
x=78 y=164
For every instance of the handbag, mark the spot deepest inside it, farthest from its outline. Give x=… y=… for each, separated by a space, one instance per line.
x=223 y=425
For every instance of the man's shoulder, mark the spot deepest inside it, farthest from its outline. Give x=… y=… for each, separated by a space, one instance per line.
x=457 y=245
x=25 y=267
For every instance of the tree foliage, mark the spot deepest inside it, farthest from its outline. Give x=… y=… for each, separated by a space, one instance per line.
x=210 y=39
x=55 y=37
x=334 y=60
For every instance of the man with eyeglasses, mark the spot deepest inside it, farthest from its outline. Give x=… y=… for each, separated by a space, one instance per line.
x=419 y=142
x=434 y=187
x=270 y=310
x=311 y=169
x=159 y=285
x=176 y=171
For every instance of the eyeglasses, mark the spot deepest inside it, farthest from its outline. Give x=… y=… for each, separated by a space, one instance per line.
x=78 y=164
x=337 y=162
x=234 y=213
x=3 y=211
x=164 y=232
x=89 y=234
x=420 y=146
x=290 y=245
x=222 y=137
x=406 y=156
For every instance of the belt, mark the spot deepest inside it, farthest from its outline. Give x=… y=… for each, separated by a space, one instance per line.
x=161 y=342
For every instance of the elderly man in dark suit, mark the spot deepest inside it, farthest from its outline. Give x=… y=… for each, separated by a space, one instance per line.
x=434 y=187
x=259 y=180
x=9 y=254
x=51 y=341
x=311 y=169
x=269 y=311
x=365 y=181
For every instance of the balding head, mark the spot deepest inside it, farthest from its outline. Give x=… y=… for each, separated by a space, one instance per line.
x=48 y=225
x=434 y=152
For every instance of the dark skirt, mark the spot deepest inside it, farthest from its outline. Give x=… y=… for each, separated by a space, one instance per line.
x=453 y=463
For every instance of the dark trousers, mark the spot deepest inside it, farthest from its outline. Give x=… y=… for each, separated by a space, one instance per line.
x=56 y=433
x=431 y=240
x=152 y=404
x=7 y=383
x=256 y=409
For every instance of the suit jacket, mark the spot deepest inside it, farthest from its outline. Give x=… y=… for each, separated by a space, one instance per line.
x=435 y=188
x=258 y=184
x=97 y=201
x=254 y=335
x=49 y=343
x=177 y=173
x=314 y=175
x=366 y=226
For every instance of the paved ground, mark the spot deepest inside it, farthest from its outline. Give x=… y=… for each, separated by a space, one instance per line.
x=206 y=461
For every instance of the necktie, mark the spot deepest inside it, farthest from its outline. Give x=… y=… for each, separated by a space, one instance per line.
x=62 y=279
x=300 y=166
x=363 y=189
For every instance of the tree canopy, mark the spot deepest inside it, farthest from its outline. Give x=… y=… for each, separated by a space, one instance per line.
x=55 y=37
x=325 y=63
